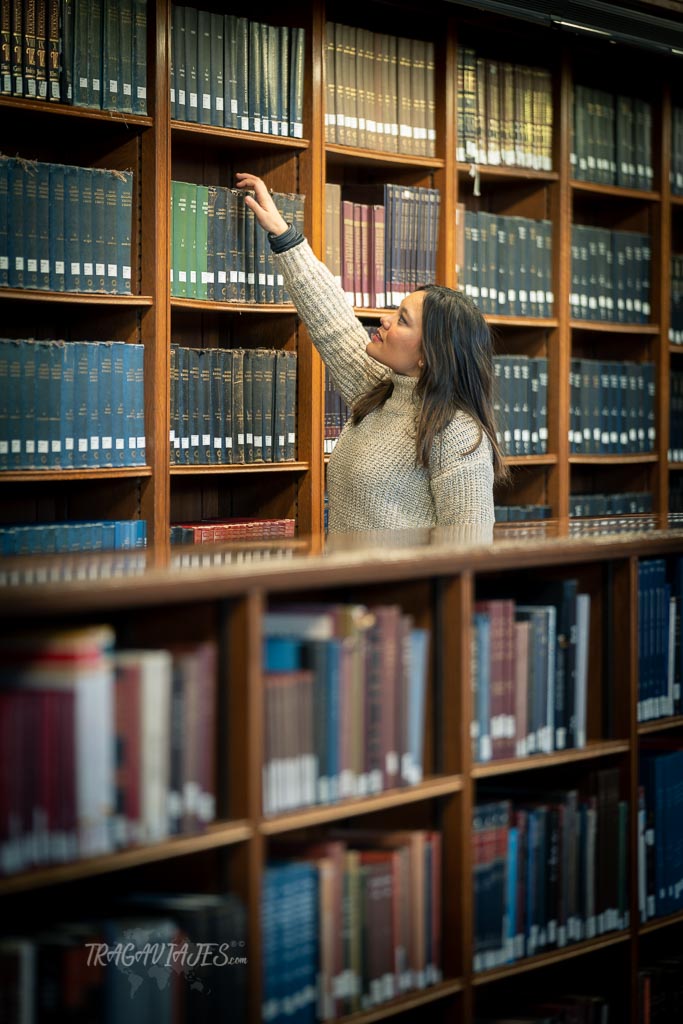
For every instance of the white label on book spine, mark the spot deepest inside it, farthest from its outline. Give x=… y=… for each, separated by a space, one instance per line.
x=112 y=270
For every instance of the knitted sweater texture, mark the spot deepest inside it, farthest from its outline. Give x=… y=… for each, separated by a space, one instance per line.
x=372 y=477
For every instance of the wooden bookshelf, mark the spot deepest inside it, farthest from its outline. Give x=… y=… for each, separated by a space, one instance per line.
x=439 y=581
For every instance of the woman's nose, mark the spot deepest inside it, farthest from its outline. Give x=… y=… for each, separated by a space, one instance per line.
x=385 y=322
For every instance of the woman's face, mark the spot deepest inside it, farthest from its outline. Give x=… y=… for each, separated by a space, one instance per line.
x=398 y=341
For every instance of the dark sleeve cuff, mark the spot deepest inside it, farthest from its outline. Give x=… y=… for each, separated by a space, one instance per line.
x=287 y=240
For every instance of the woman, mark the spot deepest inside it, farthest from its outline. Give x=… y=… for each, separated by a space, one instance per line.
x=420 y=447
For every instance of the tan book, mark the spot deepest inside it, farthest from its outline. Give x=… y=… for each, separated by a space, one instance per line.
x=360 y=78
x=481 y=114
x=406 y=141
x=391 y=111
x=350 y=85
x=418 y=96
x=493 y=112
x=340 y=97
x=332 y=229
x=507 y=114
x=330 y=85
x=430 y=90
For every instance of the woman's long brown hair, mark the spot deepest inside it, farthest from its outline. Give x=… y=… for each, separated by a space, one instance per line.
x=457 y=374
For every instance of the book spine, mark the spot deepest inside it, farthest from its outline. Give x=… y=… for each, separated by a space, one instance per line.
x=5 y=50
x=85 y=216
x=41 y=49
x=217 y=71
x=111 y=55
x=238 y=405
x=124 y=226
x=191 y=59
x=72 y=228
x=206 y=84
x=30 y=218
x=139 y=59
x=17 y=47
x=118 y=410
x=15 y=224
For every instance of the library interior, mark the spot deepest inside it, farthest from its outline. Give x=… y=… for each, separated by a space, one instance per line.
x=462 y=815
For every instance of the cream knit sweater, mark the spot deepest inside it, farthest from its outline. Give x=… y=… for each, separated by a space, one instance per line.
x=372 y=477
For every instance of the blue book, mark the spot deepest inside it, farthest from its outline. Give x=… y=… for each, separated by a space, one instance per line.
x=67 y=411
x=183 y=453
x=28 y=406
x=85 y=179
x=217 y=70
x=72 y=229
x=111 y=54
x=413 y=759
x=56 y=227
x=137 y=357
x=511 y=939
x=193 y=404
x=42 y=223
x=4 y=219
x=42 y=407
x=118 y=412
x=12 y=424
x=130 y=412
x=204 y=418
x=99 y=246
x=104 y=402
x=55 y=404
x=93 y=401
x=191 y=60
x=81 y=404
x=124 y=225
x=126 y=70
x=15 y=225
x=30 y=225
x=282 y=654
x=230 y=72
x=140 y=57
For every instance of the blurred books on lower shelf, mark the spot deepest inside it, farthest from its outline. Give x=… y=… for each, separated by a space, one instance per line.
x=89 y=535
x=345 y=690
x=351 y=922
x=550 y=869
x=102 y=748
x=238 y=528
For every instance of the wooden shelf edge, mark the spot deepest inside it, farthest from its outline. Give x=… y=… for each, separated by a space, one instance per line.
x=126 y=119
x=215 y=836
x=552 y=957
x=675 y=467
x=610 y=327
x=318 y=815
x=204 y=305
x=530 y=460
x=409 y=1001
x=521 y=173
x=193 y=129
x=241 y=467
x=541 y=322
x=524 y=764
x=81 y=298
x=96 y=473
x=601 y=189
x=613 y=460
x=379 y=156
x=655 y=923
x=660 y=724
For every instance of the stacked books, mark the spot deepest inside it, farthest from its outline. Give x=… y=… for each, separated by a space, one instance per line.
x=345 y=691
x=65 y=228
x=86 y=535
x=232 y=405
x=611 y=139
x=230 y=72
x=218 y=250
x=611 y=407
x=330 y=925
x=505 y=113
x=529 y=672
x=121 y=741
x=91 y=53
x=660 y=655
x=383 y=248
x=610 y=275
x=71 y=405
x=380 y=91
x=236 y=528
x=505 y=264
x=599 y=504
x=520 y=402
x=549 y=870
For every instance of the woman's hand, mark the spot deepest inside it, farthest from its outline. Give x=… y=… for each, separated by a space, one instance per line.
x=265 y=210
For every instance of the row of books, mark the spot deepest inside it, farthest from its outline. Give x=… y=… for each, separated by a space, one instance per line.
x=676 y=324
x=65 y=228
x=599 y=504
x=660 y=842
x=675 y=493
x=506 y=263
x=230 y=72
x=675 y=453
x=519 y=513
x=529 y=672
x=611 y=407
x=611 y=139
x=383 y=249
x=505 y=113
x=166 y=957
x=520 y=402
x=91 y=54
x=549 y=871
x=345 y=692
x=610 y=275
x=334 y=943
x=232 y=405
x=210 y=531
x=676 y=174
x=74 y=404
x=660 y=656
x=380 y=91
x=336 y=413
x=218 y=250
x=77 y=535
x=122 y=741
x=191 y=557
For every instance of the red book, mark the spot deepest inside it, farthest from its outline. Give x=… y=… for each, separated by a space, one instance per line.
x=128 y=824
